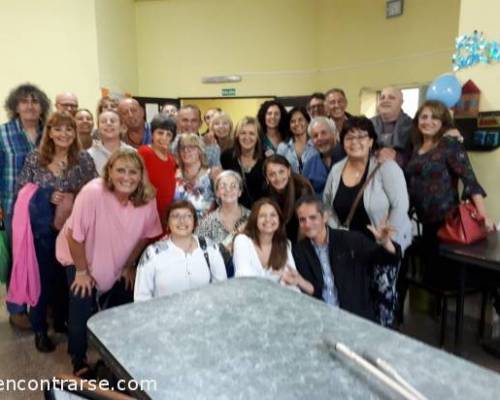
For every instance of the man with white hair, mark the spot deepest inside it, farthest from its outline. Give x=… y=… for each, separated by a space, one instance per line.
x=323 y=134
x=393 y=127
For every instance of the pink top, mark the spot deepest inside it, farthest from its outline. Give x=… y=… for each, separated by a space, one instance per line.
x=24 y=286
x=109 y=229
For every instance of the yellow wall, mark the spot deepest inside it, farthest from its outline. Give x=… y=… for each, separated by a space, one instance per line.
x=116 y=45
x=483 y=16
x=291 y=47
x=180 y=41
x=51 y=43
x=360 y=48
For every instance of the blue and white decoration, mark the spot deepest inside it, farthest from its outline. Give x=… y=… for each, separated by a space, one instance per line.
x=474 y=49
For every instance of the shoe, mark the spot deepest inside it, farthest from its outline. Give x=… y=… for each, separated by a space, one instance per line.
x=83 y=371
x=43 y=343
x=20 y=321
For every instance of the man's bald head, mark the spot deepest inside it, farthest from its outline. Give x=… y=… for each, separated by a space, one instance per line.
x=67 y=101
x=390 y=103
x=131 y=113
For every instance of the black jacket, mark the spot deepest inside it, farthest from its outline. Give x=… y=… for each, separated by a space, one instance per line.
x=352 y=256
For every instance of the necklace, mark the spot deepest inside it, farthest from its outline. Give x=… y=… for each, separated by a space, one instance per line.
x=58 y=167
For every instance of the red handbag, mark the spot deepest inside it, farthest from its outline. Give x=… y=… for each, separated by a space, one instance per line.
x=463 y=225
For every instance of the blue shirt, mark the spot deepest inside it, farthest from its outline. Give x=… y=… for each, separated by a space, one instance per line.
x=14 y=147
x=317 y=172
x=329 y=293
x=147 y=138
x=287 y=150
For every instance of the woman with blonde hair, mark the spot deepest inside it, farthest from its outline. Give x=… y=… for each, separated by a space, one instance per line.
x=112 y=221
x=193 y=175
x=246 y=158
x=221 y=126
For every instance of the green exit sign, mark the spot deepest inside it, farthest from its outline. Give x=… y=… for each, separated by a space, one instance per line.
x=229 y=92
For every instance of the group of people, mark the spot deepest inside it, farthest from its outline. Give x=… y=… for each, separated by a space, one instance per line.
x=314 y=198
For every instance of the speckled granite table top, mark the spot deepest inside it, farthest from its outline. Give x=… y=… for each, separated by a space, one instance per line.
x=252 y=339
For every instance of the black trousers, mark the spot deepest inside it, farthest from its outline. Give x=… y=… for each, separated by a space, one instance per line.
x=82 y=308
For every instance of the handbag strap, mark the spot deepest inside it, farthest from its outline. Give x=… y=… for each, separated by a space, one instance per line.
x=359 y=195
x=203 y=245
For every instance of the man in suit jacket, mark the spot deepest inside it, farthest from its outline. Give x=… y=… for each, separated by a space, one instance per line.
x=338 y=263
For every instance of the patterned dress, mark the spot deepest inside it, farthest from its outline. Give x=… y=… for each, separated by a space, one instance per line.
x=433 y=188
x=71 y=181
x=212 y=227
x=433 y=177
x=200 y=194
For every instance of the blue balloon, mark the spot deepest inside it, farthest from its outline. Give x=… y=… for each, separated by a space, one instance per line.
x=446 y=88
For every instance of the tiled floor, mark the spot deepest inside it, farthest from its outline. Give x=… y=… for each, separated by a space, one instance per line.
x=20 y=360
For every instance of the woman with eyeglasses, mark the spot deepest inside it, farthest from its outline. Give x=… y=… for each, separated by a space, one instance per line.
x=229 y=218
x=181 y=260
x=193 y=175
x=384 y=197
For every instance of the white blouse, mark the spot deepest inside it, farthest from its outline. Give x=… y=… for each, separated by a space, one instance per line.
x=165 y=269
x=247 y=261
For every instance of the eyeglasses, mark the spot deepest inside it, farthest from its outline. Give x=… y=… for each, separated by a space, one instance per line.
x=188 y=148
x=68 y=105
x=181 y=217
x=232 y=186
x=352 y=138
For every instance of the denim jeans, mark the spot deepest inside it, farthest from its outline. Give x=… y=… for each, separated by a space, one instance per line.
x=47 y=264
x=82 y=308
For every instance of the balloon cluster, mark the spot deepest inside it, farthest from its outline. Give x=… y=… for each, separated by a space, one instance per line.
x=445 y=88
x=474 y=49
